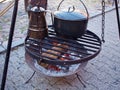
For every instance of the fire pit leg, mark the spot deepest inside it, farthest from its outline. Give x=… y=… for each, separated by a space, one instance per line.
x=30 y=78
x=78 y=76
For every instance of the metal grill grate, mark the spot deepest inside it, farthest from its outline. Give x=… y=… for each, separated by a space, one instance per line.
x=62 y=51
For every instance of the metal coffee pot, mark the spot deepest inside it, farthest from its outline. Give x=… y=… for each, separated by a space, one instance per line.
x=37 y=23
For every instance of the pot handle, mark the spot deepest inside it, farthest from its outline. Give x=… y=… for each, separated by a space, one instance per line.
x=82 y=4
x=52 y=15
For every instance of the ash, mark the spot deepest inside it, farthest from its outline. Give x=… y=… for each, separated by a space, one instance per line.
x=63 y=72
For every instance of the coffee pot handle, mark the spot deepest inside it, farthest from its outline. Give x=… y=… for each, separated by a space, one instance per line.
x=52 y=16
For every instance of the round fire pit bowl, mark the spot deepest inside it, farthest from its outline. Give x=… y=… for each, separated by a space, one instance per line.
x=53 y=72
x=60 y=56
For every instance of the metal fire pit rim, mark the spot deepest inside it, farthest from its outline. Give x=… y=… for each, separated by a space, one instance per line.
x=59 y=62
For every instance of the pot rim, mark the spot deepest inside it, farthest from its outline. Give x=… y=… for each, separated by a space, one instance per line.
x=80 y=12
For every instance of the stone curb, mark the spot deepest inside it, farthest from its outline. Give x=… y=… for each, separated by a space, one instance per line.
x=21 y=41
x=14 y=44
x=97 y=14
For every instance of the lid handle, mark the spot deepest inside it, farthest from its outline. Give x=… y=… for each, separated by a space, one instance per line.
x=73 y=9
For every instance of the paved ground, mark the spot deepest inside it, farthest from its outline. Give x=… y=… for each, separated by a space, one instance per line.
x=101 y=73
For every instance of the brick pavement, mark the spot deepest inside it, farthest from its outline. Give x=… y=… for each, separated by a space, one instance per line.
x=101 y=73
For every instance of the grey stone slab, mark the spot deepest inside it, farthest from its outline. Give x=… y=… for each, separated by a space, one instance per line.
x=18 y=42
x=1 y=49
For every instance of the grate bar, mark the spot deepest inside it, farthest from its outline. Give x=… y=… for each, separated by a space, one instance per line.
x=89 y=39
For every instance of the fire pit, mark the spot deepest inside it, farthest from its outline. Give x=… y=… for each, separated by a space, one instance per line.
x=60 y=56
x=54 y=55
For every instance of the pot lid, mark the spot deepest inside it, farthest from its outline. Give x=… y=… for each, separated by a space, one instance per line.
x=65 y=15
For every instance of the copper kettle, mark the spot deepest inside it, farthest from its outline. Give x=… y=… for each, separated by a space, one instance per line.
x=37 y=28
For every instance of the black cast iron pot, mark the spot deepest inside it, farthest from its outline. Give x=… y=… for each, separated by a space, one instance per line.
x=69 y=23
